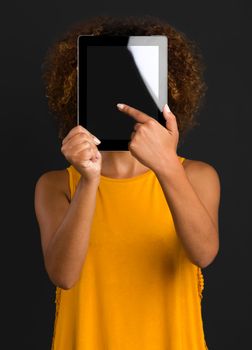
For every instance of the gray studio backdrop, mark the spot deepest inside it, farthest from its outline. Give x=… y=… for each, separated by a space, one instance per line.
x=30 y=147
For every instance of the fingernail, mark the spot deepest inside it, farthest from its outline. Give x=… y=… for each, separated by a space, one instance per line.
x=120 y=105
x=96 y=140
x=167 y=108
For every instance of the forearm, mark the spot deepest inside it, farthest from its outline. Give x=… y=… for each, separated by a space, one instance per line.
x=68 y=247
x=192 y=222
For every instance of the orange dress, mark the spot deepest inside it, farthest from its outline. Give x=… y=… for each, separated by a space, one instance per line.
x=137 y=289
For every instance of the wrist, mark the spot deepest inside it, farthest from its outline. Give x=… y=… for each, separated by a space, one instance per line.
x=89 y=182
x=170 y=167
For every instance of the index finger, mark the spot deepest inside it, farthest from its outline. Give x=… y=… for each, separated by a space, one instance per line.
x=76 y=130
x=138 y=115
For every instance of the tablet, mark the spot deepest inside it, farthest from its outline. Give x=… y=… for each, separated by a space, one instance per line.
x=120 y=69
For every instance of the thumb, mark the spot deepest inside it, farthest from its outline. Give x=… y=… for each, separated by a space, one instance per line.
x=170 y=118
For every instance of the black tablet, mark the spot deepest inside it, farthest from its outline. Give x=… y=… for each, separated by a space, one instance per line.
x=120 y=69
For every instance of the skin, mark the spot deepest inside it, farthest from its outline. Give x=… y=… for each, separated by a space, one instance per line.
x=193 y=185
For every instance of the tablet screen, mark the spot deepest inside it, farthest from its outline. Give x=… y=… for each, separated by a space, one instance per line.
x=112 y=72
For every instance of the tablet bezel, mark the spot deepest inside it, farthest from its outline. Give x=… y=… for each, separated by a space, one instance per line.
x=107 y=40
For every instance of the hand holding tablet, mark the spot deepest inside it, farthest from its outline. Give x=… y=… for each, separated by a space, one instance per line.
x=80 y=149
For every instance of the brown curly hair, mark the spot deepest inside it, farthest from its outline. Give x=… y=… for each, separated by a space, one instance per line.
x=186 y=86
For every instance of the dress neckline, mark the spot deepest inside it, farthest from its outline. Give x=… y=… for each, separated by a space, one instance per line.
x=149 y=172
x=127 y=179
x=133 y=178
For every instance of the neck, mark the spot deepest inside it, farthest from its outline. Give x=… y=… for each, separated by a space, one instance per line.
x=121 y=163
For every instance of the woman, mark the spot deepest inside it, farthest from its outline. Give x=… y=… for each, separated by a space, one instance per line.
x=126 y=234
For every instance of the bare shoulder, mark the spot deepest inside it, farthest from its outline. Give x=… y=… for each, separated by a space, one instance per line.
x=55 y=179
x=51 y=202
x=201 y=172
x=205 y=180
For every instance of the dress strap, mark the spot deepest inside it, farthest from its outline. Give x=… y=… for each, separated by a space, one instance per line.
x=71 y=179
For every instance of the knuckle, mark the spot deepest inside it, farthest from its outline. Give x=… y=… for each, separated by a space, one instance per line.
x=132 y=144
x=81 y=135
x=79 y=127
x=88 y=144
x=151 y=122
x=87 y=148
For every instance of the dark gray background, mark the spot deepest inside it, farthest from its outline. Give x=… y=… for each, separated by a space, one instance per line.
x=30 y=148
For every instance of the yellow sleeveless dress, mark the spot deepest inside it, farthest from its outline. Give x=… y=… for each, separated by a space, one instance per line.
x=137 y=289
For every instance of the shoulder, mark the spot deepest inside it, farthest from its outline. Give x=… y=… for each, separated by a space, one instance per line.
x=54 y=180
x=202 y=175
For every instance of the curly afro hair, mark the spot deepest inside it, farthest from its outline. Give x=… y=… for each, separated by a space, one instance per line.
x=186 y=86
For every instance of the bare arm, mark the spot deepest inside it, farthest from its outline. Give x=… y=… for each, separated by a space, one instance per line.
x=64 y=227
x=193 y=196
